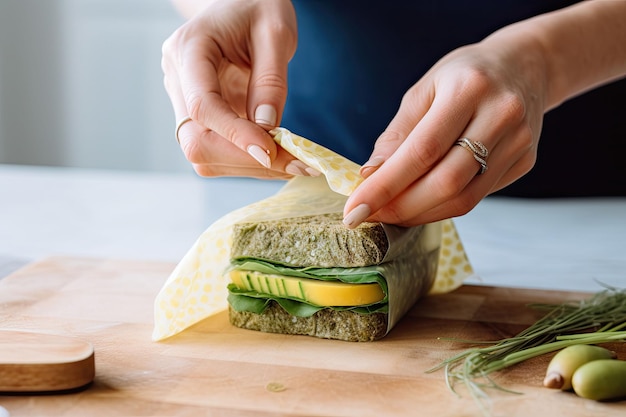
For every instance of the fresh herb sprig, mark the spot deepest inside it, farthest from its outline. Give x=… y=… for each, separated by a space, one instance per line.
x=600 y=319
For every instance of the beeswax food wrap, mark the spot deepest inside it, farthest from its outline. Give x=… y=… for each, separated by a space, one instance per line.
x=197 y=287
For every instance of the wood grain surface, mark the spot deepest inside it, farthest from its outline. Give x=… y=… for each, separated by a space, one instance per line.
x=214 y=369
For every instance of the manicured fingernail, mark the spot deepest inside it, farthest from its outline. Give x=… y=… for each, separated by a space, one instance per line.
x=296 y=168
x=261 y=155
x=265 y=114
x=312 y=171
x=357 y=216
x=370 y=166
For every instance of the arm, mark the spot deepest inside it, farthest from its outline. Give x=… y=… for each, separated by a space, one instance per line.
x=583 y=46
x=495 y=91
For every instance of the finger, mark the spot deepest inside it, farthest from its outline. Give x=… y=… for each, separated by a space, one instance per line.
x=213 y=155
x=520 y=152
x=512 y=157
x=463 y=203
x=182 y=133
x=414 y=106
x=226 y=170
x=172 y=87
x=199 y=84
x=272 y=49
x=424 y=147
x=449 y=185
x=521 y=168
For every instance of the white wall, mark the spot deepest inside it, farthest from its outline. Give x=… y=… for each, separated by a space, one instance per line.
x=81 y=84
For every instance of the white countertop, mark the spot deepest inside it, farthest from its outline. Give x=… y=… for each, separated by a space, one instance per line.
x=44 y=211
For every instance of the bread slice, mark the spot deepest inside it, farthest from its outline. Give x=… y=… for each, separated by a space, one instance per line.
x=316 y=241
x=327 y=324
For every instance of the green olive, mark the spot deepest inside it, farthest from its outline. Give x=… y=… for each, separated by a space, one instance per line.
x=603 y=379
x=565 y=362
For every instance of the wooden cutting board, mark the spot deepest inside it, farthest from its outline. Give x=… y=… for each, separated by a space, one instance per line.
x=216 y=369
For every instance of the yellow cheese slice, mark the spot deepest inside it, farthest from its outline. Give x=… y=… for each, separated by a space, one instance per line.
x=317 y=292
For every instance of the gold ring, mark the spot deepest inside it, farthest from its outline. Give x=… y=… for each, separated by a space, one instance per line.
x=478 y=150
x=179 y=125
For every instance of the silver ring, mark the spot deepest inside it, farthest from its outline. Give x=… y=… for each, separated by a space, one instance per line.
x=478 y=150
x=179 y=125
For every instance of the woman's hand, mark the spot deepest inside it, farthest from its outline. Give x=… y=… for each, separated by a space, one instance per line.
x=494 y=92
x=416 y=175
x=226 y=69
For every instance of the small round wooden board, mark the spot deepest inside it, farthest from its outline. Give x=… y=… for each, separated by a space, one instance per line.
x=41 y=362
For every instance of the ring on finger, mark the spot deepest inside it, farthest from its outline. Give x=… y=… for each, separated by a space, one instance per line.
x=179 y=125
x=478 y=150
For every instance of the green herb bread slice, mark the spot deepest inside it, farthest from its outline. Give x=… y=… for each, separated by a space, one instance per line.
x=327 y=323
x=318 y=241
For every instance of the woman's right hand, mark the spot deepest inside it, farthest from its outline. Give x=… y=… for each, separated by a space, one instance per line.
x=226 y=69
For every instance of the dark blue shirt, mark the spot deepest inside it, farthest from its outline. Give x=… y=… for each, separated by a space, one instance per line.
x=356 y=59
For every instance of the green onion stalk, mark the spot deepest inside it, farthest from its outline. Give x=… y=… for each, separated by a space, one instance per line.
x=599 y=319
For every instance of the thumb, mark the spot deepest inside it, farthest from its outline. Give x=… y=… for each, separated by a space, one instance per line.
x=272 y=49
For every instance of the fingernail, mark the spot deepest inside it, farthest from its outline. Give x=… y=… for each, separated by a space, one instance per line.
x=262 y=156
x=357 y=216
x=296 y=168
x=265 y=114
x=370 y=166
x=312 y=171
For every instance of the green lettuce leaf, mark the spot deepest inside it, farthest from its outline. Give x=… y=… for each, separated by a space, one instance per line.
x=360 y=275
x=255 y=302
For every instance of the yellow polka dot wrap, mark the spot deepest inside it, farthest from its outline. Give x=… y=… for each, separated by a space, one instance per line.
x=341 y=173
x=197 y=287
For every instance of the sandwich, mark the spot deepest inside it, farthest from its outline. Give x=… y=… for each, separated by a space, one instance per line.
x=286 y=264
x=310 y=275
